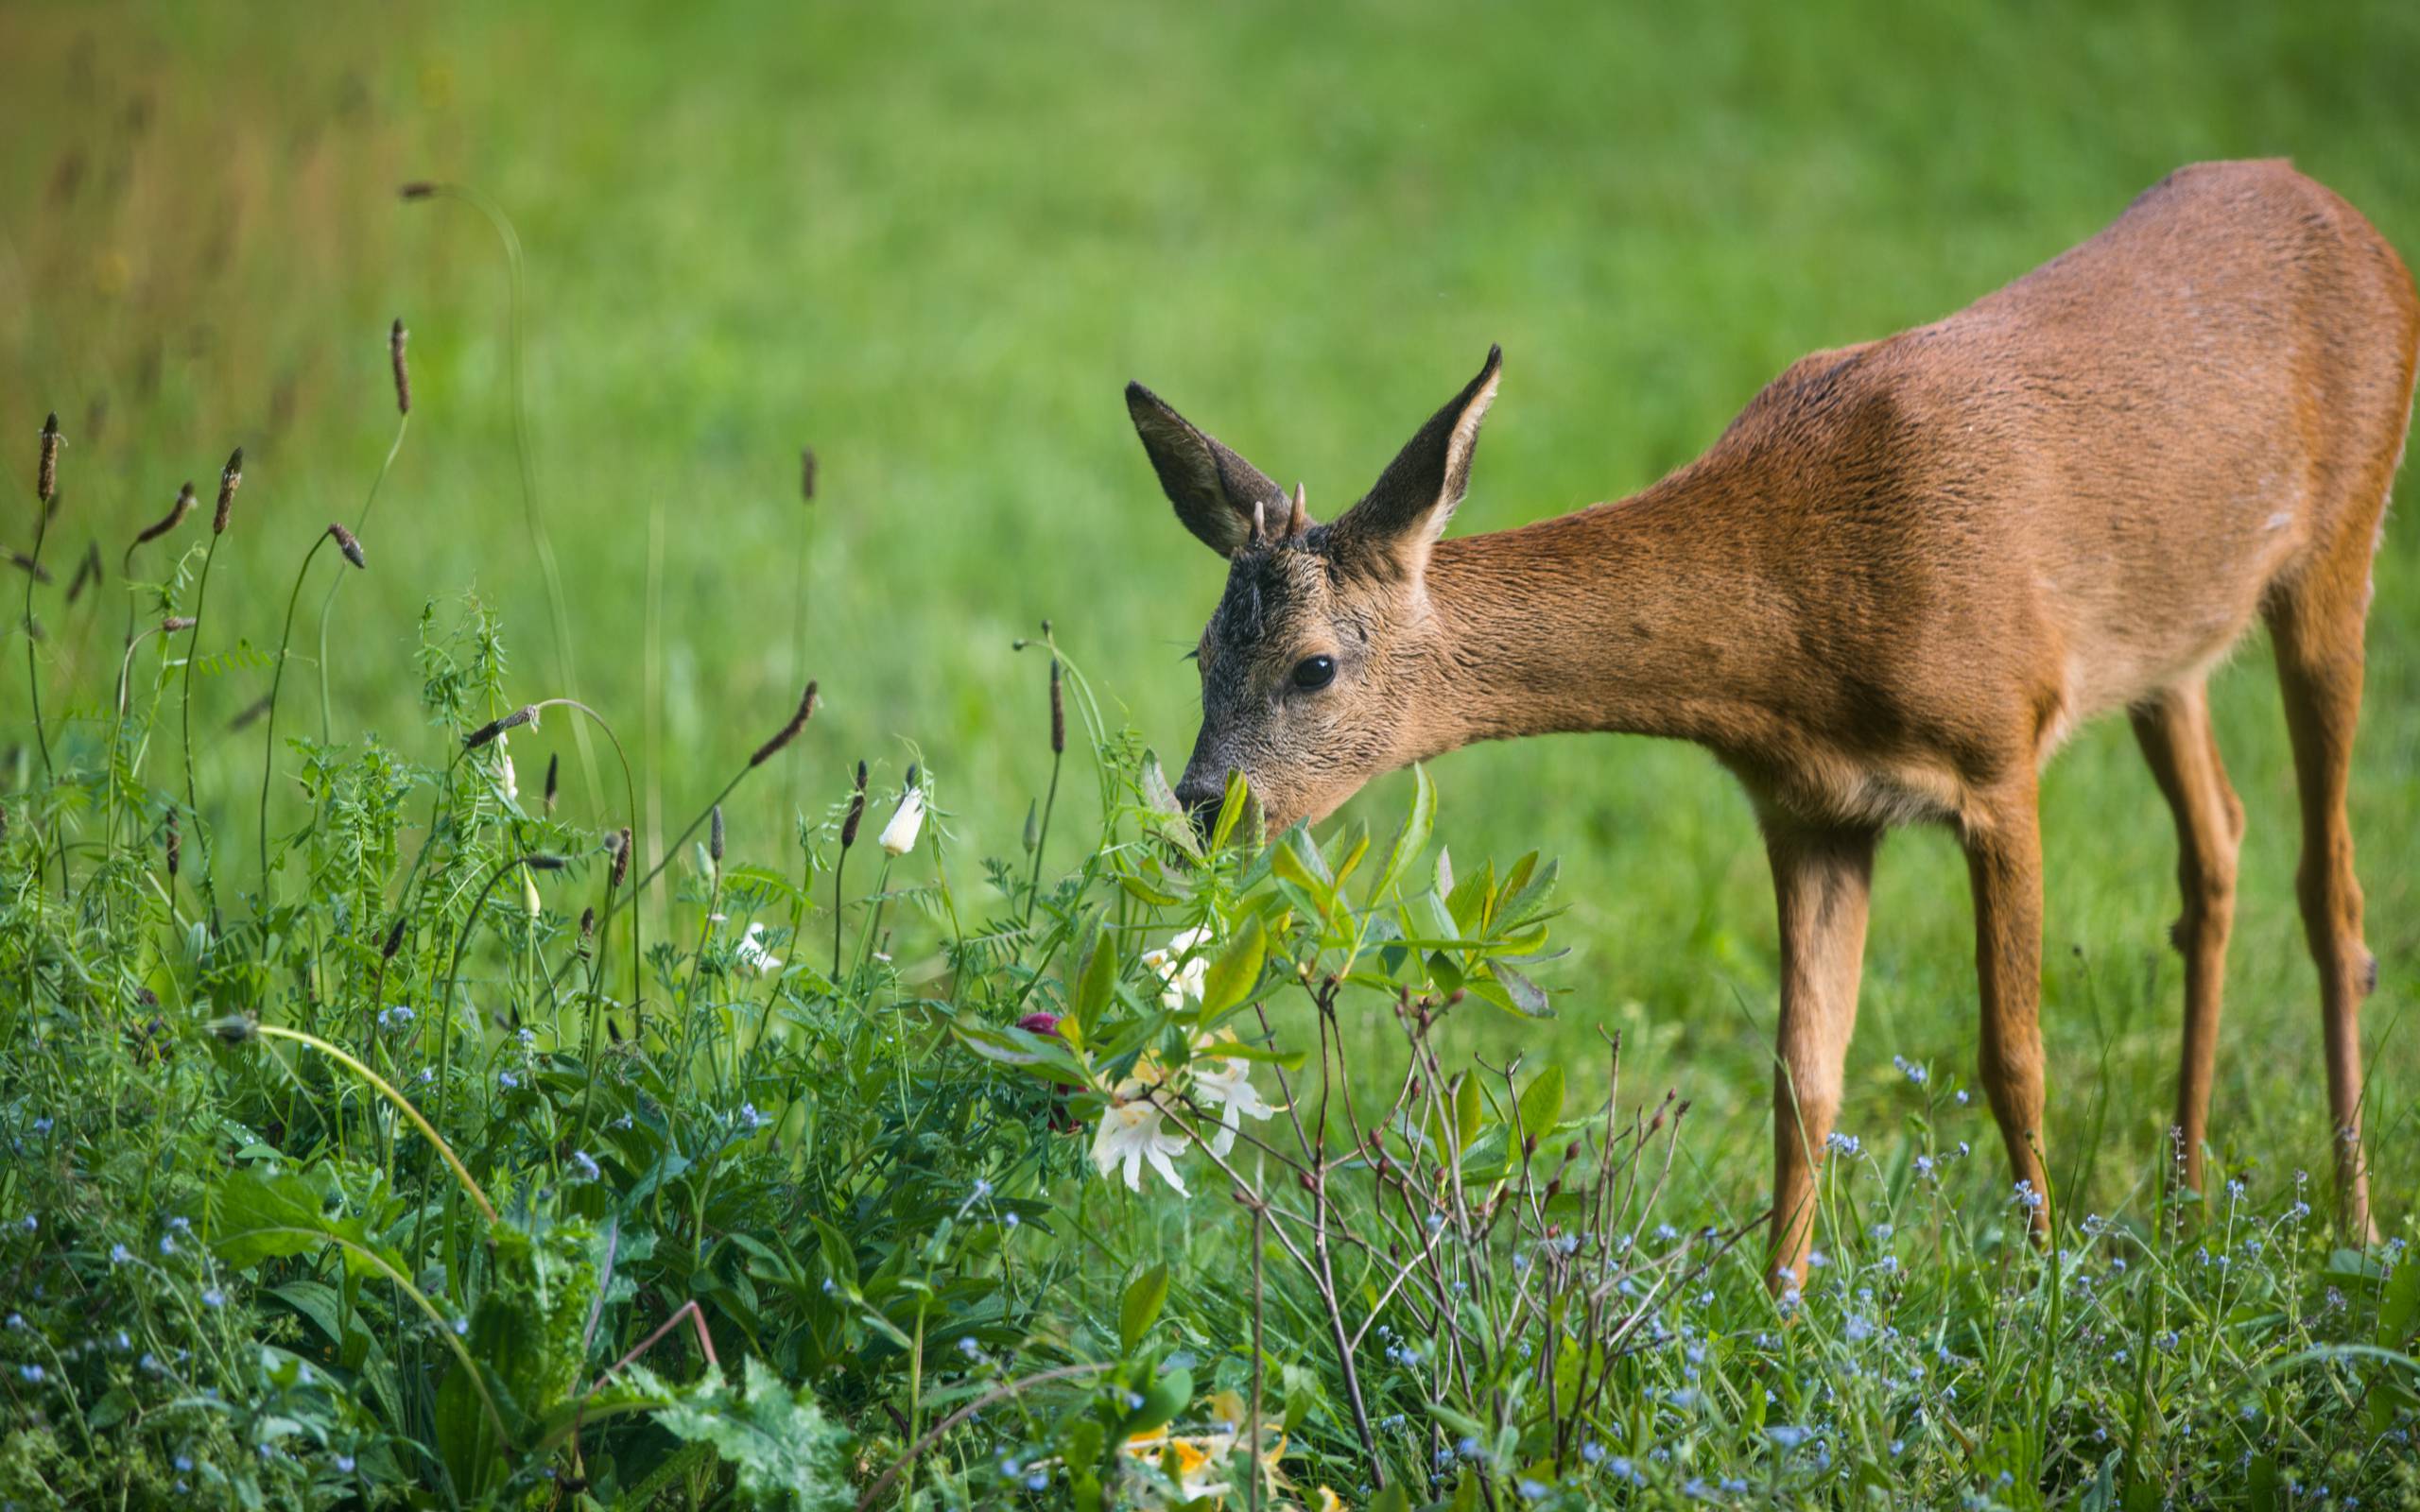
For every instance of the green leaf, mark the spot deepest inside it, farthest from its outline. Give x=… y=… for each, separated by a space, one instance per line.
x=782 y=1449
x=1096 y=984
x=1468 y=901
x=2400 y=1307
x=1530 y=890
x=1541 y=1103
x=1470 y=1111
x=1298 y=860
x=1231 y=809
x=1168 y=820
x=1140 y=1307
x=1526 y=995
x=1413 y=838
x=1163 y=1400
x=1230 y=979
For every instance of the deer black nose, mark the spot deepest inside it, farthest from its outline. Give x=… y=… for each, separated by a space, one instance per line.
x=1202 y=800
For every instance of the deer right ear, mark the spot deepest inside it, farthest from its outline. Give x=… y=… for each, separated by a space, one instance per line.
x=1215 y=491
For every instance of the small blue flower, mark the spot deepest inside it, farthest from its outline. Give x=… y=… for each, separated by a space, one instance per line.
x=119 y=1254
x=213 y=1297
x=750 y=1118
x=184 y=1464
x=1593 y=1452
x=1962 y=1099
x=1532 y=1490
x=1788 y=1436
x=33 y=1373
x=584 y=1166
x=41 y=1126
x=29 y=1223
x=462 y=1328
x=506 y=1080
x=344 y=1464
x=1010 y=1219
x=1840 y=1143
x=2027 y=1197
x=396 y=1017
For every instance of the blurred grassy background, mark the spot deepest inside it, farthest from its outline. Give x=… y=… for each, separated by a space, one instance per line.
x=932 y=240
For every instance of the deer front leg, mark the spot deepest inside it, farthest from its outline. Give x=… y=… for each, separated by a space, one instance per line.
x=2004 y=864
x=1820 y=882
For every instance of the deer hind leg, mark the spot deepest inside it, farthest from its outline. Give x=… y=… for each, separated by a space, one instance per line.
x=2182 y=750
x=2004 y=842
x=2316 y=622
x=1820 y=884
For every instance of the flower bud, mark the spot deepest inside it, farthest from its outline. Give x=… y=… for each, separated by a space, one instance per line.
x=907 y=823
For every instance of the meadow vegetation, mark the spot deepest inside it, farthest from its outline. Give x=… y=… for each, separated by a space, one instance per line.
x=439 y=1077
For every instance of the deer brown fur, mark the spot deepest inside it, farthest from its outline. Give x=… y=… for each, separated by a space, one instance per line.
x=1897 y=581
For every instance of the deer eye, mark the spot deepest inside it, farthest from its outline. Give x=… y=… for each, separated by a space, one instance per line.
x=1314 y=672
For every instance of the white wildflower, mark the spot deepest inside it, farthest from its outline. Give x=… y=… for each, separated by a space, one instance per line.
x=504 y=765
x=1132 y=1132
x=1181 y=982
x=1224 y=1082
x=754 y=957
x=899 y=835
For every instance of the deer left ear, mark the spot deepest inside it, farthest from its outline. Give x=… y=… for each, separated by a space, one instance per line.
x=1414 y=499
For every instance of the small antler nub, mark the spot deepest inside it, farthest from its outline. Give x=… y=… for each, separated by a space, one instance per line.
x=1259 y=522
x=1299 y=520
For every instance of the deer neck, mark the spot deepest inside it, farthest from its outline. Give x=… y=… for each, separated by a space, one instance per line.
x=1639 y=617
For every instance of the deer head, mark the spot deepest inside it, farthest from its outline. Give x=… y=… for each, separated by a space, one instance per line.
x=1322 y=666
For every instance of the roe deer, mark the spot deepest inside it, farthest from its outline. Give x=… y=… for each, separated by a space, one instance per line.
x=1896 y=583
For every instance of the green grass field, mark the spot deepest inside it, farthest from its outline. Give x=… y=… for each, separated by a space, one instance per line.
x=932 y=242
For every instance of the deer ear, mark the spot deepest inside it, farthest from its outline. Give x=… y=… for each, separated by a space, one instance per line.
x=1215 y=493
x=1415 y=497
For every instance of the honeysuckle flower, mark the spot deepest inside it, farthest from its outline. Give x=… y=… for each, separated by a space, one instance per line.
x=754 y=957
x=1224 y=1082
x=907 y=823
x=1181 y=981
x=1132 y=1131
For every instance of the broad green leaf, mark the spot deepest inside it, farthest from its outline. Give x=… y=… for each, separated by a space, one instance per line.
x=1231 y=809
x=1298 y=860
x=1140 y=1307
x=1470 y=1111
x=1350 y=851
x=1164 y=1399
x=1468 y=901
x=1527 y=995
x=1527 y=896
x=1541 y=1102
x=1096 y=983
x=1149 y=891
x=1492 y=992
x=1230 y=979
